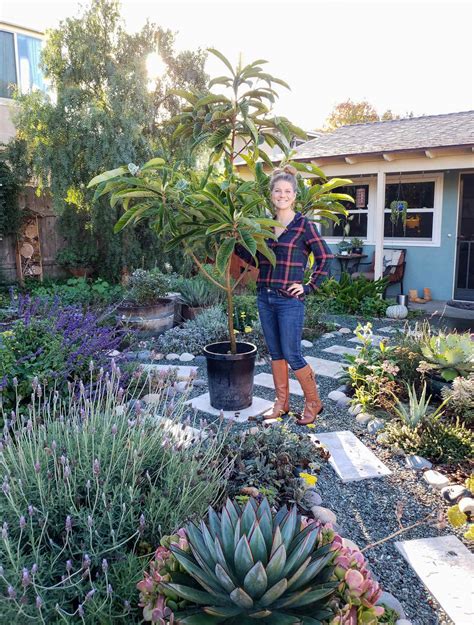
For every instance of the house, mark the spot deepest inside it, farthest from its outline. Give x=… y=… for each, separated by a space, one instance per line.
x=427 y=162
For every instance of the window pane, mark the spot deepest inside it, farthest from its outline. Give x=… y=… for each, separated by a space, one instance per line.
x=360 y=193
x=7 y=64
x=358 y=227
x=418 y=226
x=417 y=194
x=29 y=51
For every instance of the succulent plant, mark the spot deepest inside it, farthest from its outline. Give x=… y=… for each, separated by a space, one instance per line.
x=452 y=354
x=246 y=565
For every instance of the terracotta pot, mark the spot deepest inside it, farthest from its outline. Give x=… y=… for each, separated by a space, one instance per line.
x=80 y=272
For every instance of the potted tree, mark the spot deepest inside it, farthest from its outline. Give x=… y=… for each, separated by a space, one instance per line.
x=213 y=212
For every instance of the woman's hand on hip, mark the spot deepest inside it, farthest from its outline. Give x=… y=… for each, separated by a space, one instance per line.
x=295 y=289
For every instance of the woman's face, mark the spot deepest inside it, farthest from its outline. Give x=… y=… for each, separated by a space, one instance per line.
x=283 y=195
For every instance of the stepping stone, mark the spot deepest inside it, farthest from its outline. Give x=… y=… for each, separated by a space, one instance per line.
x=446 y=567
x=350 y=458
x=387 y=329
x=376 y=338
x=340 y=350
x=266 y=379
x=184 y=371
x=258 y=407
x=328 y=368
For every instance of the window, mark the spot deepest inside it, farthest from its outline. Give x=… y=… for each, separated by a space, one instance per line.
x=20 y=54
x=358 y=213
x=421 y=210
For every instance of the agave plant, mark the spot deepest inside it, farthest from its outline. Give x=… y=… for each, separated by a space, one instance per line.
x=246 y=565
x=417 y=409
x=452 y=354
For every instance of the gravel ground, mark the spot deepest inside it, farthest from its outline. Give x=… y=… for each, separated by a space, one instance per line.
x=366 y=509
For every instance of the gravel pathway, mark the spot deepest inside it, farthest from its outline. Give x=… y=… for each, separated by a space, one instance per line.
x=366 y=509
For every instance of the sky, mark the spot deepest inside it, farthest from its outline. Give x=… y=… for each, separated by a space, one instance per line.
x=409 y=55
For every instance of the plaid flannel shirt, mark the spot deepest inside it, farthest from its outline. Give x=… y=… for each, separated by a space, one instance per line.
x=292 y=249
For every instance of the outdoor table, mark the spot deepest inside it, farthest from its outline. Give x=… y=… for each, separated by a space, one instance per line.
x=345 y=259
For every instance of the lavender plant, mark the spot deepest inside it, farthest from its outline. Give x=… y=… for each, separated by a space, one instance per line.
x=88 y=486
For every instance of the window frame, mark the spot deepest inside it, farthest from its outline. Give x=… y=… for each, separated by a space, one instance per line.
x=15 y=33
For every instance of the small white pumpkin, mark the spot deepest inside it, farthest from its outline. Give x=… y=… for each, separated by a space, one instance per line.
x=397 y=312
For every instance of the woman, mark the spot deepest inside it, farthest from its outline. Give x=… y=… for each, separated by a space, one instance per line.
x=281 y=292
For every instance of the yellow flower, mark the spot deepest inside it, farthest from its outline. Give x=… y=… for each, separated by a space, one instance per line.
x=243 y=315
x=470 y=483
x=456 y=517
x=309 y=479
x=310 y=425
x=278 y=419
x=236 y=331
x=247 y=329
x=470 y=532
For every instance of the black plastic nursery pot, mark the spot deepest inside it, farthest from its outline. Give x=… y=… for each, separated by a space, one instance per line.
x=230 y=376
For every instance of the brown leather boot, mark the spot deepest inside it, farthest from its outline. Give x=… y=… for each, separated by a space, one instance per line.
x=312 y=405
x=282 y=389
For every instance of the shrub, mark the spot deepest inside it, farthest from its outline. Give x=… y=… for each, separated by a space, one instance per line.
x=89 y=485
x=209 y=326
x=51 y=343
x=146 y=287
x=76 y=291
x=451 y=355
x=313 y=325
x=245 y=312
x=353 y=297
x=460 y=398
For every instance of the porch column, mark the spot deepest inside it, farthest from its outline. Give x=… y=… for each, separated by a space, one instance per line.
x=379 y=224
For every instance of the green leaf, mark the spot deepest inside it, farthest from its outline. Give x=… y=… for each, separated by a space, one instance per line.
x=258 y=545
x=153 y=163
x=107 y=175
x=306 y=597
x=243 y=558
x=227 y=611
x=256 y=582
x=212 y=98
x=224 y=578
x=223 y=59
x=276 y=564
x=312 y=570
x=227 y=531
x=248 y=517
x=224 y=254
x=300 y=554
x=220 y=80
x=241 y=598
x=288 y=527
x=199 y=619
x=197 y=596
x=219 y=136
x=273 y=593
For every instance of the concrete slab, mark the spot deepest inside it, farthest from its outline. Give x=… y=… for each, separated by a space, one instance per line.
x=376 y=338
x=350 y=458
x=184 y=371
x=387 y=330
x=258 y=407
x=340 y=350
x=328 y=368
x=446 y=567
x=266 y=379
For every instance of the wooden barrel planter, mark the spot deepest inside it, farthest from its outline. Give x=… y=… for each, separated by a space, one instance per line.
x=156 y=318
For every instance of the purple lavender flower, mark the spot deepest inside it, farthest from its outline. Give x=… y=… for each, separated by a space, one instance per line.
x=90 y=521
x=25 y=578
x=53 y=445
x=142 y=523
x=5 y=486
x=22 y=522
x=34 y=569
x=105 y=565
x=37 y=467
x=68 y=566
x=96 y=467
x=68 y=524
x=114 y=429
x=110 y=590
x=11 y=592
x=86 y=562
x=67 y=472
x=80 y=610
x=39 y=602
x=30 y=510
x=5 y=530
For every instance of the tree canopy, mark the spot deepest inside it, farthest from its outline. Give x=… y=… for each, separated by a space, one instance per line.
x=349 y=112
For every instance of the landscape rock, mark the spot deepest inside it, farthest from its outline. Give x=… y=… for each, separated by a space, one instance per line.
x=466 y=505
x=152 y=399
x=403 y=621
x=327 y=335
x=350 y=544
x=344 y=331
x=186 y=357
x=156 y=356
x=182 y=387
x=417 y=463
x=200 y=359
x=375 y=425
x=144 y=354
x=355 y=409
x=323 y=514
x=305 y=343
x=343 y=401
x=391 y=602
x=343 y=389
x=435 y=479
x=172 y=357
x=363 y=418
x=452 y=494
x=381 y=439
x=113 y=354
x=199 y=383
x=311 y=498
x=336 y=395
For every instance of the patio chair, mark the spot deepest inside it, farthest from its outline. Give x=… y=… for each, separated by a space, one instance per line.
x=394 y=262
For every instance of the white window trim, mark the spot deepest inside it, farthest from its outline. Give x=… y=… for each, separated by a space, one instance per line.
x=435 y=241
x=437 y=178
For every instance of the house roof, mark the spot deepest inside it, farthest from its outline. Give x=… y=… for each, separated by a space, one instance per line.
x=415 y=133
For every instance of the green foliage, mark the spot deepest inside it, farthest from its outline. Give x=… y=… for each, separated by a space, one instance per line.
x=245 y=312
x=77 y=291
x=104 y=115
x=89 y=486
x=248 y=562
x=10 y=213
x=460 y=399
x=145 y=288
x=270 y=460
x=358 y=296
x=314 y=327
x=433 y=439
x=197 y=292
x=417 y=410
x=451 y=354
x=209 y=326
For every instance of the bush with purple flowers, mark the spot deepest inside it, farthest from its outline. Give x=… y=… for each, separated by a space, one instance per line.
x=53 y=343
x=88 y=486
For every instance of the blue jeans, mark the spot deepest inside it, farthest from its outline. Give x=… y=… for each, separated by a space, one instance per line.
x=282 y=324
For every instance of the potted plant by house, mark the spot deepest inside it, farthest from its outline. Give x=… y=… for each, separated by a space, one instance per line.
x=344 y=247
x=215 y=211
x=357 y=245
x=146 y=306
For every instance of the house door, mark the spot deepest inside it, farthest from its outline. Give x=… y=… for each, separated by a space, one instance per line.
x=464 y=285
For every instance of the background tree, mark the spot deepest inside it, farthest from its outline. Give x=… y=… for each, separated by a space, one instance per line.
x=104 y=113
x=348 y=112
